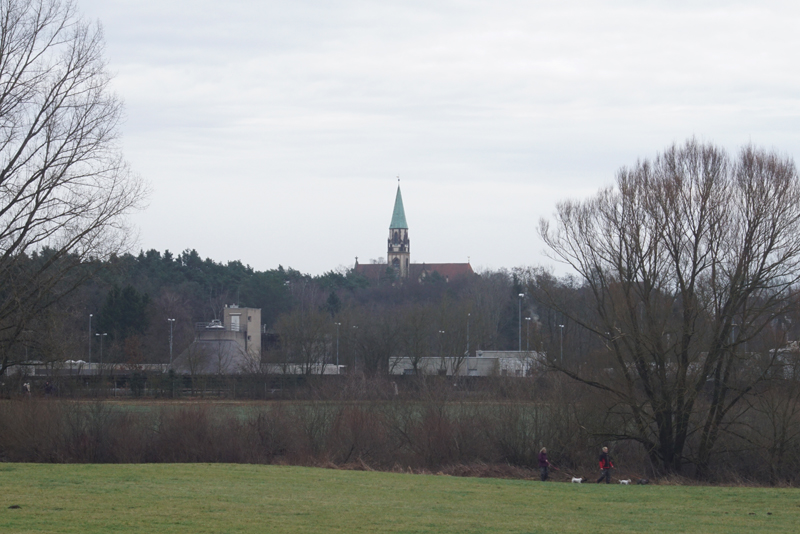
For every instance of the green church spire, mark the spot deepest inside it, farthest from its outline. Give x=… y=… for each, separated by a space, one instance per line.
x=399 y=214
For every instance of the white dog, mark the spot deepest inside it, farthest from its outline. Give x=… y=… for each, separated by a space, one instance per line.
x=576 y=480
x=626 y=482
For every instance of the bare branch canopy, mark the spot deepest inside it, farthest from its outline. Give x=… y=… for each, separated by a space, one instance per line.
x=687 y=259
x=65 y=188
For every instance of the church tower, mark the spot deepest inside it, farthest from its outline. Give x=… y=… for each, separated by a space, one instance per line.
x=399 y=254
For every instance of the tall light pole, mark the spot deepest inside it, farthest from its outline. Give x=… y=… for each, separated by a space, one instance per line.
x=171 y=322
x=337 y=346
x=355 y=346
x=468 y=317
x=90 y=338
x=527 y=334
x=441 y=354
x=519 y=316
x=101 y=336
x=561 y=336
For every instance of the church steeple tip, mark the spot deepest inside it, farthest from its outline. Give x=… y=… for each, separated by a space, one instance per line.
x=399 y=214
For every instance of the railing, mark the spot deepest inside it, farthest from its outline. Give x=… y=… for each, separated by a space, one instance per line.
x=217 y=325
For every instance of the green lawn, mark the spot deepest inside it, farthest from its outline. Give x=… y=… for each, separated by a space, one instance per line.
x=196 y=498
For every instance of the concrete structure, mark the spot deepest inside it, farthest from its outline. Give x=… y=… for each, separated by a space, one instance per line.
x=247 y=323
x=230 y=346
x=484 y=363
x=398 y=256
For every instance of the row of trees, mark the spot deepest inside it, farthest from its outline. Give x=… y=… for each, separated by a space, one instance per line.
x=304 y=316
x=374 y=325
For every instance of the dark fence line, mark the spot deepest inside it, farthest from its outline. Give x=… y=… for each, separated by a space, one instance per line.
x=139 y=384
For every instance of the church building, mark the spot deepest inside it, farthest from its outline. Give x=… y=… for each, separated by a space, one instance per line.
x=398 y=256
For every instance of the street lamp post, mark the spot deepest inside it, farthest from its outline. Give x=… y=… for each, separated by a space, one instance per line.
x=561 y=342
x=90 y=338
x=441 y=354
x=468 y=318
x=171 y=322
x=101 y=336
x=337 y=346
x=527 y=334
x=519 y=317
x=355 y=347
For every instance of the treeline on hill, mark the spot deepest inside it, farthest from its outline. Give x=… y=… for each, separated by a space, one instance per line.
x=131 y=297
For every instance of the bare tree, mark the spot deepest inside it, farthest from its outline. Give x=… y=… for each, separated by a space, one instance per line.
x=688 y=258
x=64 y=187
x=169 y=305
x=488 y=295
x=377 y=339
x=416 y=333
x=306 y=337
x=776 y=422
x=452 y=334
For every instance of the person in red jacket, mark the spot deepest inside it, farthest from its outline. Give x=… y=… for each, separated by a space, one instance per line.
x=605 y=466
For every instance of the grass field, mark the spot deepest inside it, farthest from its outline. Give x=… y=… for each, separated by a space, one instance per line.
x=198 y=498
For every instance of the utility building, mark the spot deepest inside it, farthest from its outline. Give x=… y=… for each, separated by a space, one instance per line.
x=230 y=346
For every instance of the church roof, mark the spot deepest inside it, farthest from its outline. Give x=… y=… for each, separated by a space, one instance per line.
x=372 y=271
x=419 y=271
x=399 y=214
x=449 y=271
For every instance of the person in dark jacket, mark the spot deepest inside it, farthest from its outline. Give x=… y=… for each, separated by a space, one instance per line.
x=544 y=464
x=605 y=466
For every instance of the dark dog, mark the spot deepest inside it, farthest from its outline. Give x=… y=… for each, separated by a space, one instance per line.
x=643 y=481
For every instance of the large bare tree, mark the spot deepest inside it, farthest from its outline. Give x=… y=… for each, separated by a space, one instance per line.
x=64 y=186
x=686 y=259
x=306 y=338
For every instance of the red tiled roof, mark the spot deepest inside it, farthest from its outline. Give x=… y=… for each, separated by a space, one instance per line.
x=449 y=271
x=371 y=271
x=419 y=271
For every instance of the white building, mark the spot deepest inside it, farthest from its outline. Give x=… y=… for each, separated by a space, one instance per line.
x=484 y=363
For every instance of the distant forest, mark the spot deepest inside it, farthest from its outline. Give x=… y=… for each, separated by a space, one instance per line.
x=131 y=298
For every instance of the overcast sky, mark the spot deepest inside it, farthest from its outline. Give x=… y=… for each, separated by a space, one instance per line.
x=272 y=132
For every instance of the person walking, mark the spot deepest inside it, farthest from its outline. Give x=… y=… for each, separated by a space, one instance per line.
x=605 y=466
x=544 y=464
